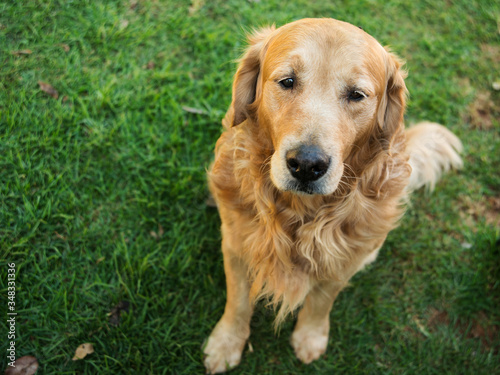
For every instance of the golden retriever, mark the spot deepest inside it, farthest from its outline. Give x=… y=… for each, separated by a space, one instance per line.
x=311 y=173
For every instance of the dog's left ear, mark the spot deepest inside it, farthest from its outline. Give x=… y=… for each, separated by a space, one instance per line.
x=393 y=103
x=245 y=80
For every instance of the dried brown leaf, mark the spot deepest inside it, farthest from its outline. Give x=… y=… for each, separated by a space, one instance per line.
x=124 y=24
x=421 y=327
x=44 y=86
x=196 y=5
x=133 y=4
x=158 y=234
x=65 y=47
x=194 y=110
x=58 y=235
x=114 y=315
x=83 y=350
x=22 y=52
x=26 y=365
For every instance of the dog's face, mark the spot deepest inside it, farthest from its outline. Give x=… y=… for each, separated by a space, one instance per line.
x=320 y=88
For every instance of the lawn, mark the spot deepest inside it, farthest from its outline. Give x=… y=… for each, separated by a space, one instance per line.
x=103 y=189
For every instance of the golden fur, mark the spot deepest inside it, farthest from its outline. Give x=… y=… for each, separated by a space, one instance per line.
x=298 y=247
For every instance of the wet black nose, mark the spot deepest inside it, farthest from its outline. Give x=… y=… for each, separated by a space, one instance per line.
x=307 y=163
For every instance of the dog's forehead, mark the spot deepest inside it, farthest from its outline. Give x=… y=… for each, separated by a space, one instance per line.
x=332 y=33
x=338 y=44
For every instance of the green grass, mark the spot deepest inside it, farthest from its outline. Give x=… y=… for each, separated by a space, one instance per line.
x=102 y=191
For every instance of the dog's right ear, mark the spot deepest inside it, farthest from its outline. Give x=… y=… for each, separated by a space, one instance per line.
x=245 y=80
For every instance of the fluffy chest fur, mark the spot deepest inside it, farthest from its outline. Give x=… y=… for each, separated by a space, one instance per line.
x=291 y=241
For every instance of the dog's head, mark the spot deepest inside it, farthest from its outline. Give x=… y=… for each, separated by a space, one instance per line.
x=320 y=89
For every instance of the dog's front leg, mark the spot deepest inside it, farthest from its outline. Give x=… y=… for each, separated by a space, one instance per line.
x=310 y=336
x=227 y=340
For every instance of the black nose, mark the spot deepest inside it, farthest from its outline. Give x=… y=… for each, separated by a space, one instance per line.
x=307 y=163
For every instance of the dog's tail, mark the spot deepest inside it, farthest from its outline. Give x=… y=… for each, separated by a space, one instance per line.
x=433 y=149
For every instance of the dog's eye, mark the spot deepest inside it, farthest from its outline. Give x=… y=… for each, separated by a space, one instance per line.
x=356 y=96
x=287 y=83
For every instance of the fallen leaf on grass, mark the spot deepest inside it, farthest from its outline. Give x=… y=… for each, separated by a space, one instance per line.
x=194 y=110
x=133 y=4
x=22 y=52
x=124 y=24
x=26 y=365
x=420 y=326
x=48 y=89
x=58 y=235
x=196 y=6
x=65 y=47
x=159 y=234
x=114 y=315
x=82 y=351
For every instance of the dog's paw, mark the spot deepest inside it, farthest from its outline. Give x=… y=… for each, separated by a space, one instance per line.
x=222 y=351
x=309 y=344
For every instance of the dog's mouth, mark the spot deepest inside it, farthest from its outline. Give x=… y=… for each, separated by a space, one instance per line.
x=324 y=186
x=307 y=188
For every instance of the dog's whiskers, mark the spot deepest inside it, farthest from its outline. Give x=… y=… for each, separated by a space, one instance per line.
x=265 y=164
